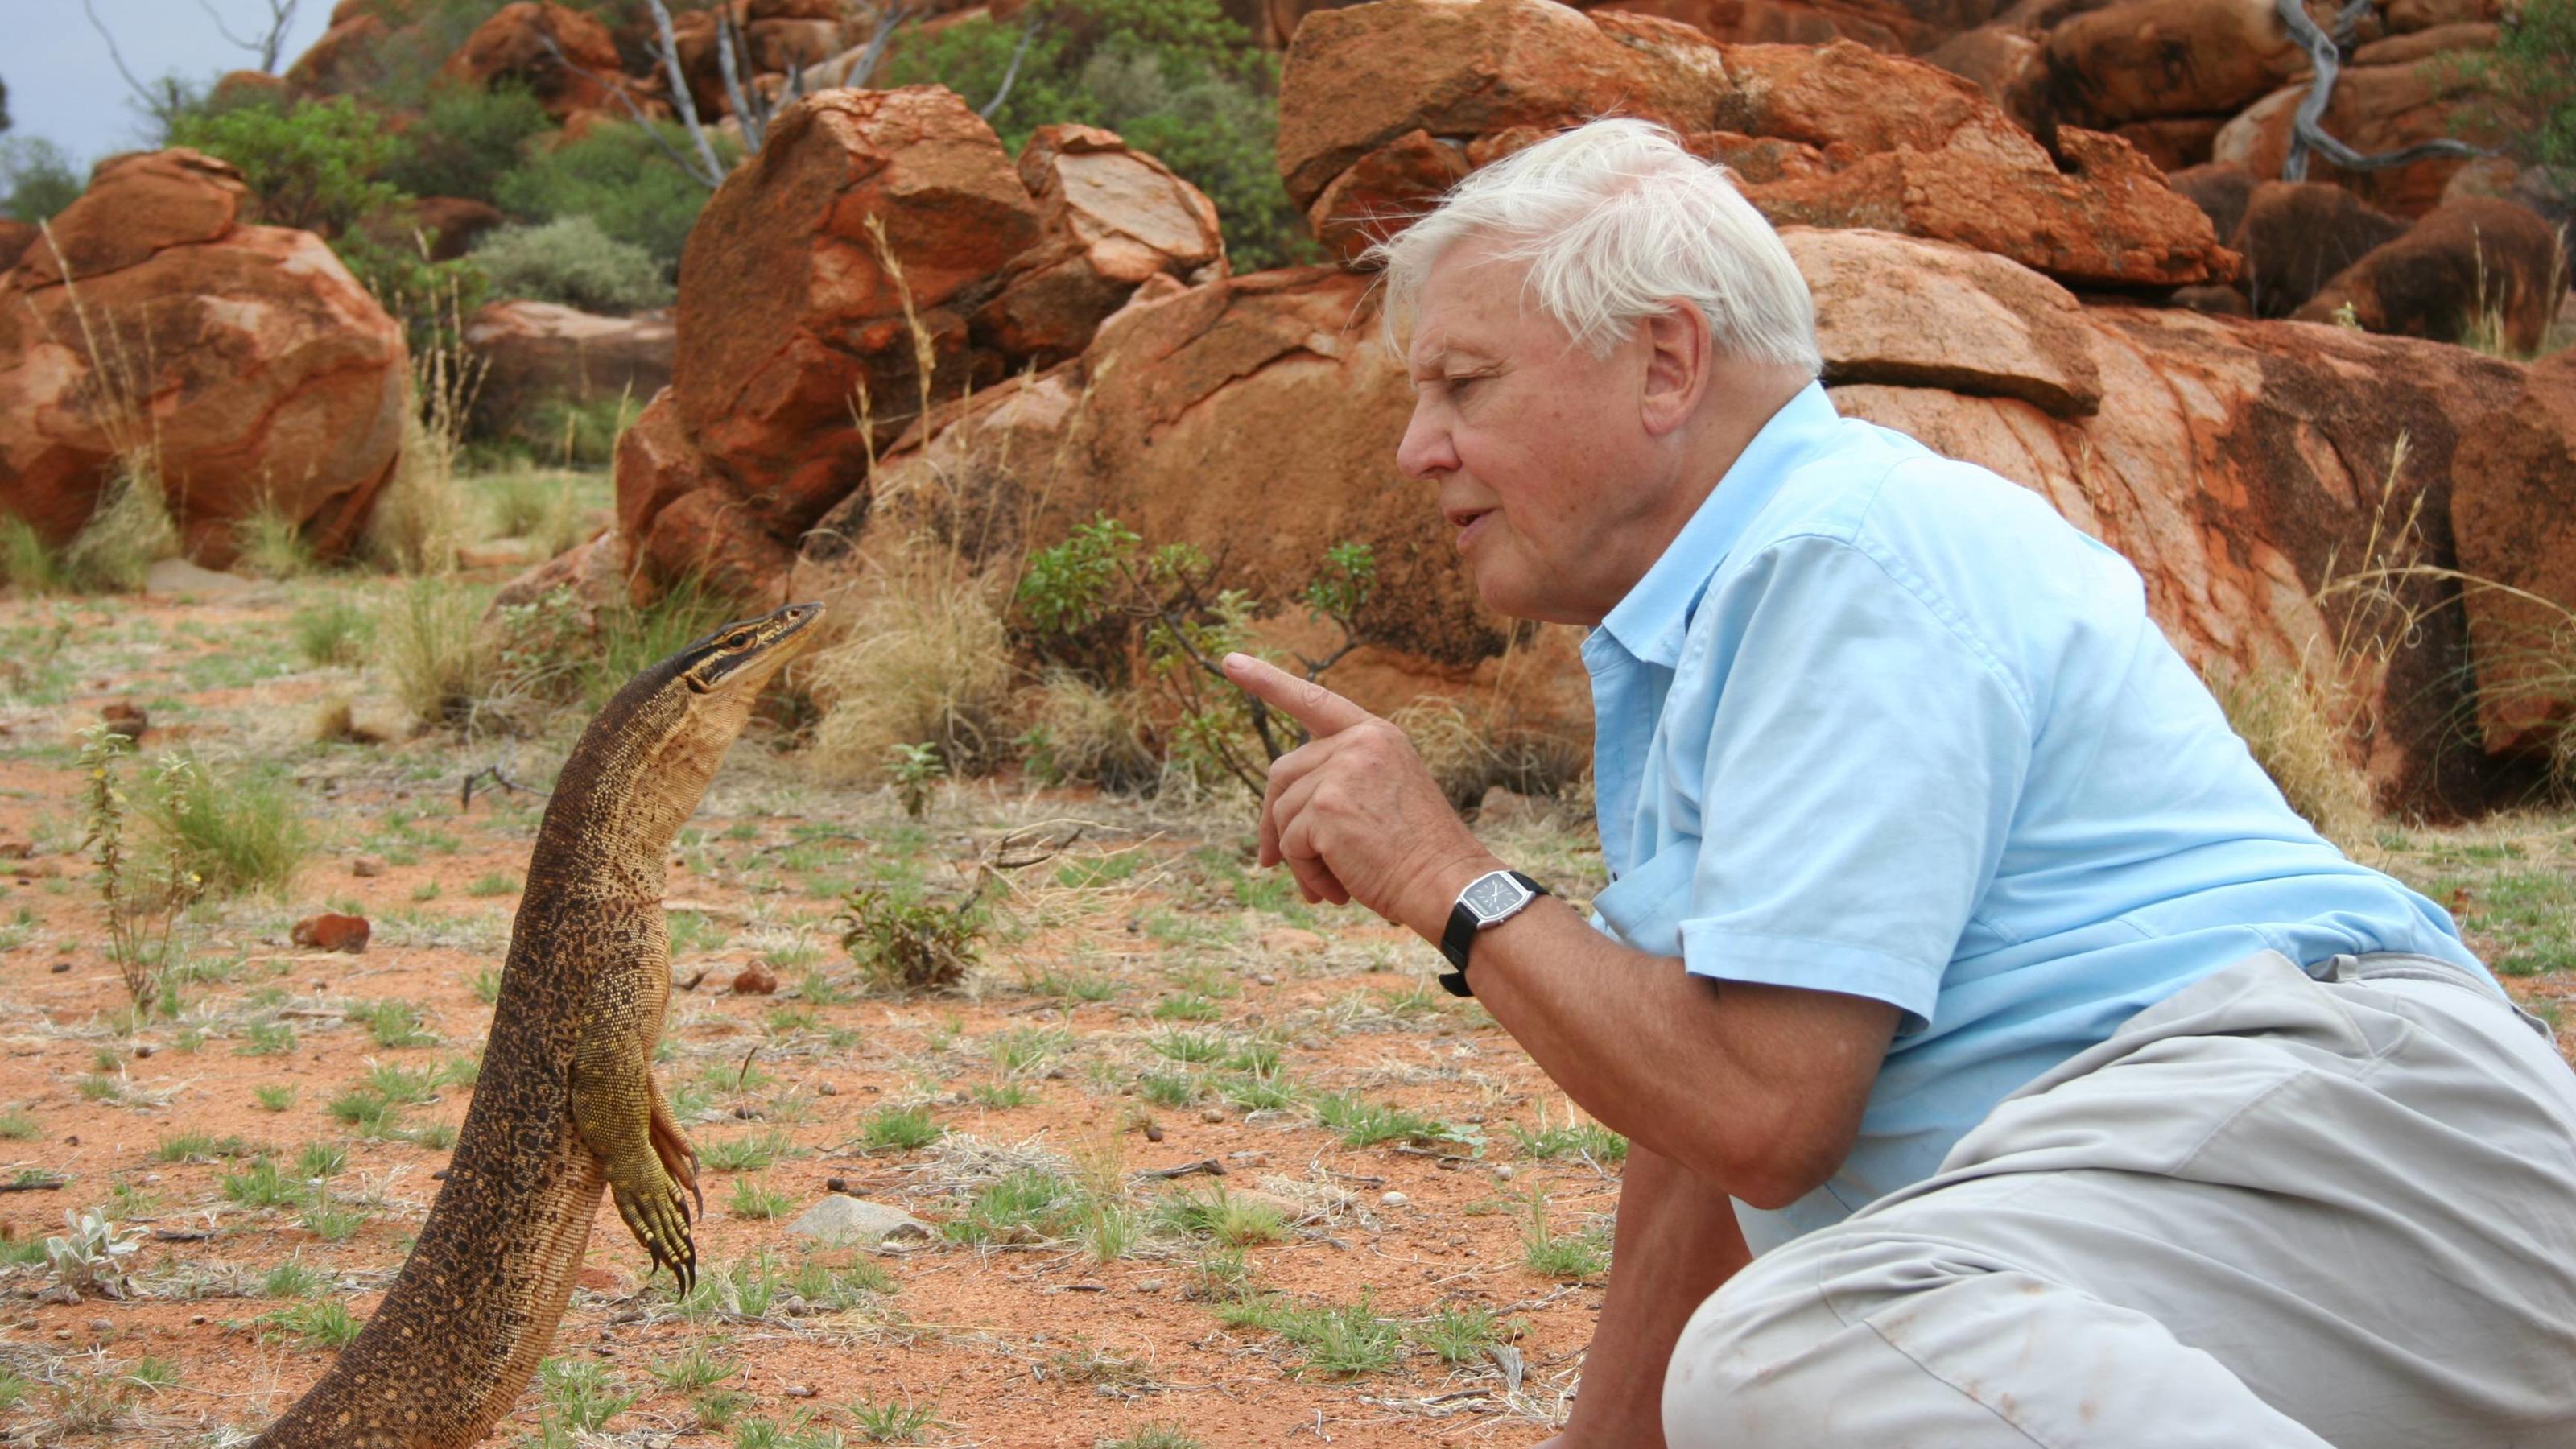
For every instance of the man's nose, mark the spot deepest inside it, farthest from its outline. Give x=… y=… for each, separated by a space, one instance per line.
x=1427 y=450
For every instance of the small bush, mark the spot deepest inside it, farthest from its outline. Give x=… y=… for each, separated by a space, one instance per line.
x=336 y=632
x=926 y=659
x=128 y=531
x=270 y=543
x=234 y=831
x=428 y=644
x=313 y=165
x=572 y=262
x=618 y=177
x=910 y=944
x=37 y=179
x=466 y=139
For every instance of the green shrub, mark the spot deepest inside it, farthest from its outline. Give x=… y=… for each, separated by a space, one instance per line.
x=37 y=179
x=465 y=141
x=1175 y=77
x=315 y=166
x=571 y=261
x=235 y=831
x=619 y=178
x=2529 y=81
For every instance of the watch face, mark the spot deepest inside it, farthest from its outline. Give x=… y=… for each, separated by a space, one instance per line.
x=1489 y=896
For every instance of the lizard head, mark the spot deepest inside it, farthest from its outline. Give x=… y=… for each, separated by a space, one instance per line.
x=741 y=658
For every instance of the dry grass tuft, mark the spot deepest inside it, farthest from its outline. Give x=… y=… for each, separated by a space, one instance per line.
x=423 y=517
x=1468 y=759
x=130 y=530
x=926 y=660
x=429 y=643
x=2295 y=731
x=1078 y=731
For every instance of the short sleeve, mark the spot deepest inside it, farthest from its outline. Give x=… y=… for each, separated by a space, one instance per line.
x=1864 y=753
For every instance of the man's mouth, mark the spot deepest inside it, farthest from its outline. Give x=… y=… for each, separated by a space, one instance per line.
x=1469 y=522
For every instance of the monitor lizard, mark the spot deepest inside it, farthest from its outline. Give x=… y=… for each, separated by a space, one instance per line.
x=566 y=1100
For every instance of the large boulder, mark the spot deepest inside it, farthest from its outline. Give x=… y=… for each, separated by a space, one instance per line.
x=2294 y=235
x=533 y=352
x=2138 y=60
x=1892 y=309
x=881 y=251
x=2480 y=265
x=2375 y=109
x=2513 y=510
x=518 y=46
x=2221 y=191
x=1384 y=105
x=260 y=371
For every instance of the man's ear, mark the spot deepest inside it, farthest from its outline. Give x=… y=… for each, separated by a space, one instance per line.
x=1680 y=357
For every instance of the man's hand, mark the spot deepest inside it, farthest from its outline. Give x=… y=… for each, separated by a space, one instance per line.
x=1354 y=813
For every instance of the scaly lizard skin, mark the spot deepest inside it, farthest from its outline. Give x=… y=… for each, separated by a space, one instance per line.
x=566 y=1101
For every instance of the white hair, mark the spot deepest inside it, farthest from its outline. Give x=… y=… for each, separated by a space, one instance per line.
x=1616 y=222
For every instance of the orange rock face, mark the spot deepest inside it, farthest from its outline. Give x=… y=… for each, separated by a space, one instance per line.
x=2513 y=509
x=1383 y=105
x=263 y=370
x=2376 y=108
x=2478 y=262
x=2142 y=59
x=533 y=351
x=510 y=47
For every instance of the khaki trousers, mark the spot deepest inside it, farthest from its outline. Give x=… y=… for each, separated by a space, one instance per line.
x=2275 y=1209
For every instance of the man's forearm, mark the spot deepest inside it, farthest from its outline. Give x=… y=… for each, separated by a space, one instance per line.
x=1752 y=1095
x=1677 y=1242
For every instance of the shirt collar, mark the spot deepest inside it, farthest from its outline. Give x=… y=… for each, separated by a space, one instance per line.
x=1649 y=623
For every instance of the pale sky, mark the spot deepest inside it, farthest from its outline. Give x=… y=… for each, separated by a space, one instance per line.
x=63 y=87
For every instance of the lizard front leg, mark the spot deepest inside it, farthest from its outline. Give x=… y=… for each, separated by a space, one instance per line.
x=617 y=1107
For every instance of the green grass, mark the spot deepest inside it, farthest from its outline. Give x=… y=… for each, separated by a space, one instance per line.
x=1581 y=1257
x=273 y=1096
x=1001 y=1096
x=1167 y=1089
x=1222 y=1216
x=2532 y=915
x=202 y=1147
x=291 y=1279
x=325 y=1323
x=1363 y=1123
x=487 y=986
x=1192 y=1047
x=266 y=1039
x=263 y=1185
x=900 y=1129
x=394 y=1024
x=332 y=1223
x=334 y=632
x=1548 y=1141
x=750 y=1199
x=892 y=1423
x=750 y=1152
x=695 y=1371
x=1460 y=1335
x=579 y=1394
x=846 y=1285
x=1337 y=1340
x=237 y=831
x=1188 y=1006
x=321 y=1159
x=493 y=883
x=1026 y=1205
x=17 y=1126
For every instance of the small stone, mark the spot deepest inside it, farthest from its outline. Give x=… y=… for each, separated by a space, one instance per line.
x=840 y=1219
x=798 y=1391
x=62 y=1333
x=1211 y=1114
x=332 y=931
x=1153 y=1131
x=1393 y=1199
x=142 y=1049
x=1266 y=979
x=754 y=981
x=196 y=1320
x=836 y=1184
x=1149 y=1285
x=826 y=1089
x=102 y=1325
x=1503 y=1171
x=366 y=866
x=61 y=966
x=125 y=717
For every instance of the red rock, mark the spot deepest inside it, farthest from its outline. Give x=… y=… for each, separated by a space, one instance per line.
x=2296 y=234
x=453 y=224
x=2003 y=60
x=2376 y=108
x=15 y=238
x=2478 y=262
x=272 y=374
x=367 y=866
x=125 y=717
x=656 y=464
x=786 y=310
x=2513 y=511
x=510 y=48
x=2220 y=190
x=1379 y=101
x=1111 y=217
x=2422 y=45
x=1894 y=309
x=1780 y=22
x=2172 y=143
x=343 y=61
x=755 y=981
x=535 y=351
x=712 y=536
x=332 y=932
x=2138 y=60
x=2407 y=15
x=248 y=88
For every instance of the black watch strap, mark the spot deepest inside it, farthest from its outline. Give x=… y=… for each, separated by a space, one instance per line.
x=1460 y=937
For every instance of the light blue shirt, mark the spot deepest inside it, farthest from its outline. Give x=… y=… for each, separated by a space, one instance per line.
x=1882 y=723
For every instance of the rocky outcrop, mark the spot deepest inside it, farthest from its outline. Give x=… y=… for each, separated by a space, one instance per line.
x=2242 y=466
x=2222 y=193
x=2138 y=60
x=246 y=356
x=2513 y=510
x=512 y=47
x=536 y=351
x=2296 y=234
x=1384 y=105
x=2478 y=264
x=881 y=247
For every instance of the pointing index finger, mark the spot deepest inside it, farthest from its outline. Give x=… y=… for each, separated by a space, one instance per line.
x=1320 y=710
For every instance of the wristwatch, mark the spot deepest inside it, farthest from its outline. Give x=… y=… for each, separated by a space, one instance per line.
x=1489 y=900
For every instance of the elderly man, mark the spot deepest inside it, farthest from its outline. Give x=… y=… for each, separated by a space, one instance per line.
x=2004 y=1062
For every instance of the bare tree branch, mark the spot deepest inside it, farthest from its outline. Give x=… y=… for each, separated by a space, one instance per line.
x=281 y=15
x=863 y=66
x=162 y=105
x=753 y=122
x=681 y=100
x=2306 y=132
x=687 y=167
x=1019 y=52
